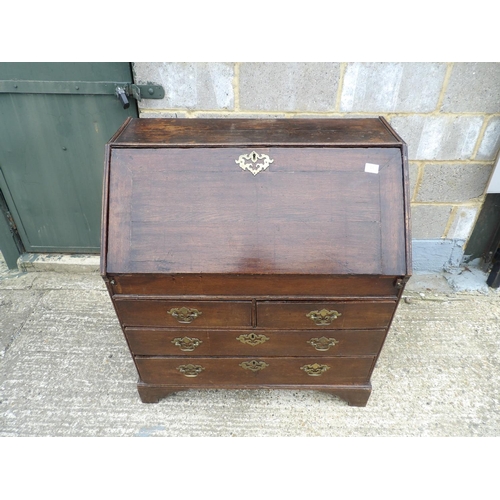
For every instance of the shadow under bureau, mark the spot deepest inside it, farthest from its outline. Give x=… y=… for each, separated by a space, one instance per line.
x=251 y=254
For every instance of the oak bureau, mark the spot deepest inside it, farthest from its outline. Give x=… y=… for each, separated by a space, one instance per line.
x=251 y=253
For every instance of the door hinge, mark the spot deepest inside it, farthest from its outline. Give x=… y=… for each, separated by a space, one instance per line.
x=128 y=89
x=10 y=222
x=8 y=216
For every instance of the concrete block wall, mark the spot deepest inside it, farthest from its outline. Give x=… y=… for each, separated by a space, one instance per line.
x=448 y=113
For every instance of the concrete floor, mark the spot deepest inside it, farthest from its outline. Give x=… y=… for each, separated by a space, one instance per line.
x=65 y=370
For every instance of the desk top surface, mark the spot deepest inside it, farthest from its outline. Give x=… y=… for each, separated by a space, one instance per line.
x=165 y=132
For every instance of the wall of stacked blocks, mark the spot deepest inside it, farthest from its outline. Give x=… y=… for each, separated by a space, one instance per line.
x=448 y=113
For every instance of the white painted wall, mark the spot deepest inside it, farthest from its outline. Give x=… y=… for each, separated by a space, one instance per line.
x=494 y=185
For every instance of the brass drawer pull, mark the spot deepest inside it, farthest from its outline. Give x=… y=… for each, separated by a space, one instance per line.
x=187 y=343
x=323 y=317
x=190 y=370
x=315 y=370
x=322 y=344
x=252 y=339
x=184 y=314
x=254 y=365
x=253 y=158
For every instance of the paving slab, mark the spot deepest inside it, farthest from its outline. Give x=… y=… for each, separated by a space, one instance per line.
x=15 y=307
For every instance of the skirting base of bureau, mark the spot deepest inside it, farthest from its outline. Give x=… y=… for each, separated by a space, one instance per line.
x=355 y=395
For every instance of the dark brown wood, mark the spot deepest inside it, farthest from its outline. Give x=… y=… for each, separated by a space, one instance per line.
x=152 y=394
x=199 y=204
x=355 y=396
x=320 y=229
x=105 y=195
x=244 y=285
x=245 y=132
x=218 y=372
x=161 y=342
x=154 y=312
x=406 y=192
x=289 y=315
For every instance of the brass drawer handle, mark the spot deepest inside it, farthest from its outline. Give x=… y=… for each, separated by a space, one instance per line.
x=252 y=339
x=254 y=365
x=323 y=317
x=253 y=165
x=315 y=370
x=187 y=343
x=190 y=370
x=322 y=344
x=184 y=314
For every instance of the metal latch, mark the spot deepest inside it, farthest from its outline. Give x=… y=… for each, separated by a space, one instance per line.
x=135 y=91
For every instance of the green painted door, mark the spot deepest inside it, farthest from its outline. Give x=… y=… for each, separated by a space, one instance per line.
x=52 y=153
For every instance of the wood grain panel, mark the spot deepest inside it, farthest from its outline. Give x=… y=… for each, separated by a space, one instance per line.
x=314 y=211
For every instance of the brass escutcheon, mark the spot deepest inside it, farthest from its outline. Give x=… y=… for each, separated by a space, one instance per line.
x=252 y=339
x=322 y=344
x=315 y=370
x=190 y=370
x=184 y=314
x=254 y=365
x=250 y=162
x=323 y=317
x=187 y=343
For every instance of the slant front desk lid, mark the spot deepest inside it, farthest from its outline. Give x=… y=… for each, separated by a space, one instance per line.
x=256 y=196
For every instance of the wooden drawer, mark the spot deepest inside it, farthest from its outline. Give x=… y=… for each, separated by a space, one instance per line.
x=183 y=313
x=249 y=372
x=162 y=342
x=325 y=315
x=284 y=286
